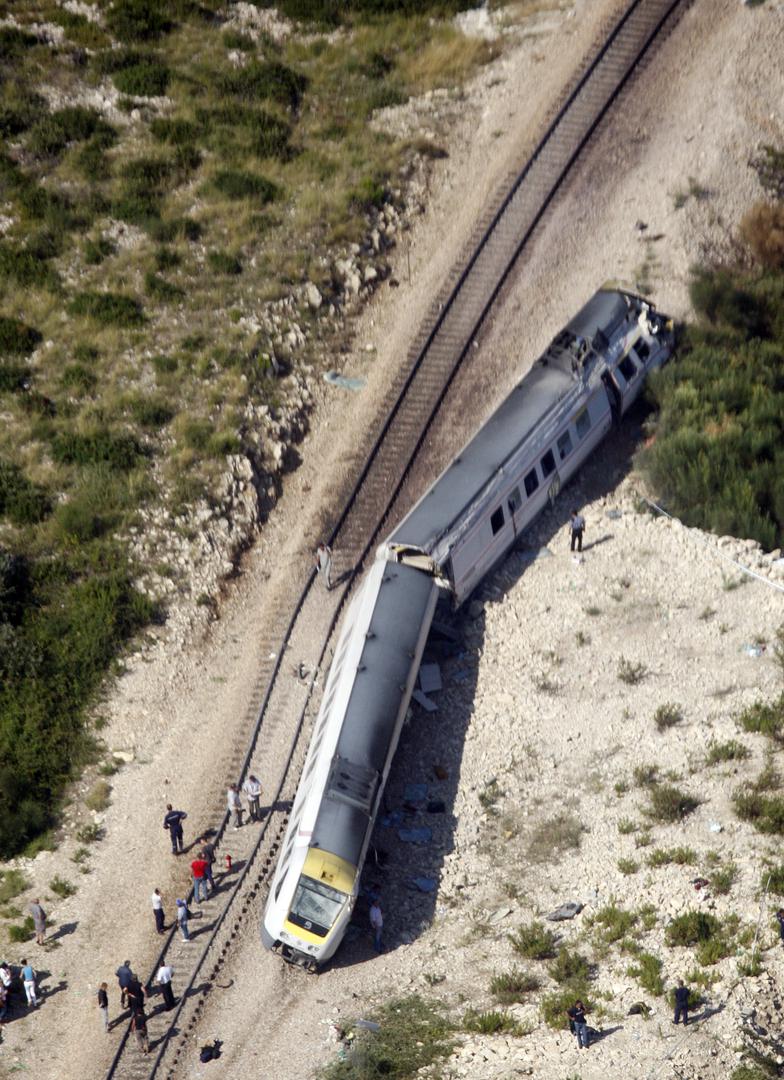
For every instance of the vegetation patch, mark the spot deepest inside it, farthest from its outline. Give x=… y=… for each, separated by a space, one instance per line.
x=554 y=837
x=667 y=716
x=107 y=308
x=513 y=986
x=613 y=923
x=16 y=338
x=534 y=941
x=668 y=804
x=721 y=752
x=765 y=718
x=647 y=970
x=413 y=1033
x=681 y=856
x=491 y=1022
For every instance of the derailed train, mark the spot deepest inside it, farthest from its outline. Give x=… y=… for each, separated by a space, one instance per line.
x=550 y=423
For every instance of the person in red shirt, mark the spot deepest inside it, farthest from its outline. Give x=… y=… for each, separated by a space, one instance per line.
x=199 y=868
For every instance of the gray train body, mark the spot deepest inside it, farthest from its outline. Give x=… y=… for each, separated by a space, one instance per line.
x=463 y=525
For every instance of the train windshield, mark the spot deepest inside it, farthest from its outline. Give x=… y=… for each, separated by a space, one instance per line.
x=315 y=906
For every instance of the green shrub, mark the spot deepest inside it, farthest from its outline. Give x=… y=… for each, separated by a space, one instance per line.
x=681 y=856
x=25 y=267
x=13 y=377
x=723 y=879
x=151 y=412
x=267 y=80
x=16 y=338
x=768 y=164
x=107 y=308
x=667 y=716
x=731 y=750
x=628 y=866
x=12 y=883
x=62 y=888
x=413 y=1034
x=235 y=184
x=765 y=812
x=570 y=968
x=554 y=1006
x=89 y=834
x=490 y=1022
x=95 y=251
x=221 y=262
x=534 y=941
x=554 y=836
x=160 y=289
x=647 y=969
x=21 y=501
x=776 y=876
x=148 y=77
x=512 y=986
x=613 y=922
x=765 y=719
x=137 y=20
x=691 y=928
x=19 y=934
x=101 y=446
x=234 y=39
x=630 y=671
x=53 y=132
x=669 y=804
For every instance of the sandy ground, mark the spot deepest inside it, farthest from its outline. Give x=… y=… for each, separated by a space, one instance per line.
x=713 y=92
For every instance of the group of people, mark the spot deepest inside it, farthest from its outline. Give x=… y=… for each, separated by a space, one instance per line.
x=28 y=977
x=578 y=1024
x=133 y=997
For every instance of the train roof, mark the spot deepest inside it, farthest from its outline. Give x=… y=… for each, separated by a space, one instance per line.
x=549 y=380
x=401 y=601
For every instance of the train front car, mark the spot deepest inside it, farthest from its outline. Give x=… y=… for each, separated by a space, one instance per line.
x=354 y=738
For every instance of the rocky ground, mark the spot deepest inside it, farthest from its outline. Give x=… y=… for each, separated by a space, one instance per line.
x=534 y=701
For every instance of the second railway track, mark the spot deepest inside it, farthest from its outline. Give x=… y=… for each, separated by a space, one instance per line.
x=295 y=652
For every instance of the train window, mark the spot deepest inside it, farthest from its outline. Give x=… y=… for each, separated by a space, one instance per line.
x=643 y=349
x=531 y=482
x=564 y=445
x=514 y=502
x=547 y=463
x=627 y=368
x=497 y=520
x=583 y=424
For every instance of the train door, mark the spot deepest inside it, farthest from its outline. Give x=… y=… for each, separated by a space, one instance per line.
x=629 y=375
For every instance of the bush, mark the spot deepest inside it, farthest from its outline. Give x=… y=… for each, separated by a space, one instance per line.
x=614 y=923
x=413 y=1034
x=647 y=970
x=21 y=501
x=107 y=309
x=52 y=133
x=764 y=812
x=17 y=935
x=137 y=20
x=765 y=718
x=667 y=716
x=160 y=289
x=221 y=262
x=16 y=338
x=762 y=229
x=669 y=804
x=570 y=968
x=62 y=888
x=267 y=80
x=768 y=163
x=512 y=986
x=491 y=1022
x=119 y=452
x=235 y=184
x=630 y=671
x=554 y=836
x=723 y=879
x=534 y=941
x=89 y=834
x=25 y=267
x=731 y=750
x=12 y=883
x=691 y=928
x=681 y=856
x=628 y=866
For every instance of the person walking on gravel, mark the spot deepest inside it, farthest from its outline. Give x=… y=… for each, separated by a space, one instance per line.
x=173 y=822
x=579 y=1024
x=139 y=1028
x=164 y=980
x=324 y=564
x=182 y=919
x=103 y=1005
x=28 y=981
x=39 y=921
x=252 y=789
x=576 y=530
x=681 y=1003
x=157 y=910
x=234 y=803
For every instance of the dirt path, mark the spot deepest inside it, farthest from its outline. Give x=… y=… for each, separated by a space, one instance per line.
x=714 y=91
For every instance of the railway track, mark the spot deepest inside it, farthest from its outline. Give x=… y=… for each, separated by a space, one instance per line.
x=294 y=651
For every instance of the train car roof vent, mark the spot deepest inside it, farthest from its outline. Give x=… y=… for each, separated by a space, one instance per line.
x=352 y=783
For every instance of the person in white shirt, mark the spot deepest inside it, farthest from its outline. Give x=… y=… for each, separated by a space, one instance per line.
x=164 y=980
x=576 y=529
x=252 y=789
x=376 y=924
x=157 y=909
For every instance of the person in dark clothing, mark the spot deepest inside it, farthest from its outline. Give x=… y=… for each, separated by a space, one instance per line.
x=579 y=1024
x=576 y=529
x=208 y=854
x=173 y=822
x=780 y=919
x=136 y=996
x=124 y=978
x=103 y=1005
x=139 y=1028
x=681 y=1003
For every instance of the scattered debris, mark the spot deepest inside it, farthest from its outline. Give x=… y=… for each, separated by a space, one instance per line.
x=420 y=835
x=423 y=700
x=430 y=678
x=565 y=911
x=422 y=884
x=334 y=378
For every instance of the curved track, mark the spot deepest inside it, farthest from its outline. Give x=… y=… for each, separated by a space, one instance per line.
x=295 y=650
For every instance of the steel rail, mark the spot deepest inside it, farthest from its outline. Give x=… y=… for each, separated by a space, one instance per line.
x=454 y=342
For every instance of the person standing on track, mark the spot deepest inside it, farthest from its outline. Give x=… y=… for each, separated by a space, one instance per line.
x=199 y=870
x=182 y=919
x=164 y=980
x=252 y=789
x=173 y=822
x=234 y=804
x=208 y=854
x=324 y=564
x=124 y=979
x=139 y=1028
x=157 y=910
